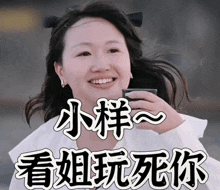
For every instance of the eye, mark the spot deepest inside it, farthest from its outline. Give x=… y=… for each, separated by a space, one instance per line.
x=113 y=50
x=85 y=53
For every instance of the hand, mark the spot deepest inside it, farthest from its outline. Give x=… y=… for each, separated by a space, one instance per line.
x=153 y=104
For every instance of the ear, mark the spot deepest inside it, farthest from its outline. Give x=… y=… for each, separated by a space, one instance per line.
x=59 y=70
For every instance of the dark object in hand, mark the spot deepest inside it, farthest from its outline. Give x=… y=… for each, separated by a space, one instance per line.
x=124 y=91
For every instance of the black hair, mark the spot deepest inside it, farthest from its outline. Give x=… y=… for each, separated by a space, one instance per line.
x=147 y=73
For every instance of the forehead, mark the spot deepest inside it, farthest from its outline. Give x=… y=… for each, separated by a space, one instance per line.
x=92 y=30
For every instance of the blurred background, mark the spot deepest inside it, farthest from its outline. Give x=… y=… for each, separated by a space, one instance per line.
x=189 y=30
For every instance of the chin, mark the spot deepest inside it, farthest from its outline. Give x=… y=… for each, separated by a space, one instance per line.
x=109 y=96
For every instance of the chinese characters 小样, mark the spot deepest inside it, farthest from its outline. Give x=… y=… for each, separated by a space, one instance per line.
x=111 y=115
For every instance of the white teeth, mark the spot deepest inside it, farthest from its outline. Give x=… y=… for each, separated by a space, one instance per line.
x=101 y=81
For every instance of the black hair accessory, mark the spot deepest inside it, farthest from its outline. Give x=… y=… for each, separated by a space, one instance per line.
x=135 y=18
x=50 y=22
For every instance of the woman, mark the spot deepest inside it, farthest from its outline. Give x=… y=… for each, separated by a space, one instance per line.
x=95 y=52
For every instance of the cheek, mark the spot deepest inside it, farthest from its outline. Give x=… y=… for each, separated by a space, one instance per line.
x=125 y=65
x=125 y=71
x=75 y=71
x=74 y=77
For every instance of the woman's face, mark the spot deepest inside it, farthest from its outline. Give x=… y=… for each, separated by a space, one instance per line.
x=96 y=60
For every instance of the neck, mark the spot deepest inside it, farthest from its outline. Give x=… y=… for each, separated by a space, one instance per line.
x=87 y=106
x=90 y=139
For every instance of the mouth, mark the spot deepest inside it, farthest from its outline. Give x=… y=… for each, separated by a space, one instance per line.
x=102 y=81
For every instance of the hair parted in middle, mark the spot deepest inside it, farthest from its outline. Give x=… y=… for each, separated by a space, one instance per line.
x=147 y=73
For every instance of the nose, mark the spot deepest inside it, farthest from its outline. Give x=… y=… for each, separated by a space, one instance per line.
x=100 y=63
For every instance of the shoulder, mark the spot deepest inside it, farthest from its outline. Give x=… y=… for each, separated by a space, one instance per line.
x=148 y=140
x=43 y=137
x=197 y=125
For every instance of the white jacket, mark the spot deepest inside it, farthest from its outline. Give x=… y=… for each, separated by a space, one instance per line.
x=184 y=136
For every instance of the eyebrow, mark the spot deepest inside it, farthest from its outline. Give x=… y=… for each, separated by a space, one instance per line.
x=113 y=41
x=90 y=44
x=82 y=44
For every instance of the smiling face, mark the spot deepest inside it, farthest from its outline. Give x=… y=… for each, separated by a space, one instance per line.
x=95 y=61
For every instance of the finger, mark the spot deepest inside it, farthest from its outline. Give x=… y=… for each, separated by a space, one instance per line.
x=143 y=95
x=142 y=105
x=134 y=112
